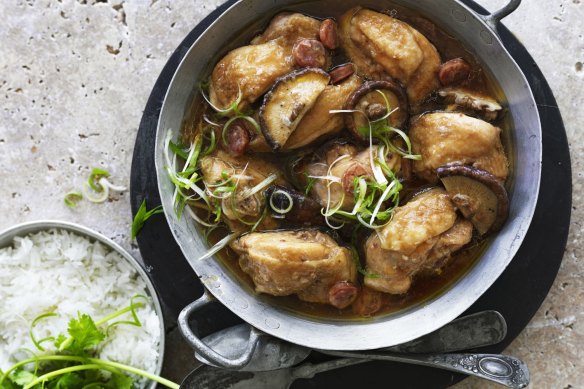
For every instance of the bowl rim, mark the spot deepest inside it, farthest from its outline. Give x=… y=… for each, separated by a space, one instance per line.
x=31 y=227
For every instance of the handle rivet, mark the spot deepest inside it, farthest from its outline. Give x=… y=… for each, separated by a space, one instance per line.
x=272 y=323
x=458 y=15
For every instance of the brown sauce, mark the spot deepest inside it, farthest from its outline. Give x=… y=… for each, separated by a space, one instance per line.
x=426 y=285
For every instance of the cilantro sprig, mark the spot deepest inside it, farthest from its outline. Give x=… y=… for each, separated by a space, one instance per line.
x=73 y=365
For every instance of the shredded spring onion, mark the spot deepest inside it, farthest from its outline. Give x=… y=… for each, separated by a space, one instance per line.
x=233 y=107
x=220 y=245
x=264 y=184
x=72 y=198
x=281 y=211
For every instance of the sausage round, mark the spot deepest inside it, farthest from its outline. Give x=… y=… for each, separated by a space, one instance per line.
x=328 y=34
x=237 y=138
x=348 y=179
x=454 y=72
x=342 y=294
x=309 y=53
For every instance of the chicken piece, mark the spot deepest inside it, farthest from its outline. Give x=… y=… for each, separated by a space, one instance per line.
x=289 y=28
x=421 y=236
x=382 y=46
x=246 y=173
x=345 y=162
x=318 y=122
x=249 y=70
x=475 y=102
x=446 y=137
x=308 y=263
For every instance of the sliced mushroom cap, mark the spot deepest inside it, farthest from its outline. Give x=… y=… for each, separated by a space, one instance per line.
x=472 y=102
x=478 y=194
x=293 y=206
x=290 y=98
x=368 y=99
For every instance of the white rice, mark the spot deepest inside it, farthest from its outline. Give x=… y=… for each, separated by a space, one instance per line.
x=61 y=272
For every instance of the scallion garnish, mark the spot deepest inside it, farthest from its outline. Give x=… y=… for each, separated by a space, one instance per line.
x=142 y=215
x=72 y=198
x=95 y=176
x=285 y=210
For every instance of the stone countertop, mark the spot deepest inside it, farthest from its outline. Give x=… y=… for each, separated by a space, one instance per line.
x=76 y=74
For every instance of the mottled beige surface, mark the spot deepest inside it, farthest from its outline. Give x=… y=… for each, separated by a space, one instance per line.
x=76 y=74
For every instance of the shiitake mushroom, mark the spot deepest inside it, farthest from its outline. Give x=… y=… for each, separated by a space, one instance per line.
x=293 y=206
x=479 y=195
x=289 y=99
x=368 y=100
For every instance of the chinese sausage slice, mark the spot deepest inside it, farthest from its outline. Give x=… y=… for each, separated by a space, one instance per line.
x=421 y=236
x=308 y=263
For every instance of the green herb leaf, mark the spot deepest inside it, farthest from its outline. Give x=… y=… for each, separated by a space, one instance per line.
x=85 y=333
x=94 y=177
x=141 y=216
x=121 y=381
x=22 y=377
x=72 y=198
x=67 y=381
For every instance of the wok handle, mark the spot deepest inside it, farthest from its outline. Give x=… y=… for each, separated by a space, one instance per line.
x=200 y=347
x=494 y=18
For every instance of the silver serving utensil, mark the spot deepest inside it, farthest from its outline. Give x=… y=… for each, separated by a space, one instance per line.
x=209 y=377
x=503 y=369
x=468 y=332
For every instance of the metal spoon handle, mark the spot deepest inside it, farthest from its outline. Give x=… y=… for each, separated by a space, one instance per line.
x=503 y=369
x=308 y=370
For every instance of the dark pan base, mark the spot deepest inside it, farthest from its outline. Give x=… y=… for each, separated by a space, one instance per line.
x=517 y=294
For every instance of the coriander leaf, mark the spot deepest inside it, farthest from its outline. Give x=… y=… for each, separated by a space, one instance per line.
x=122 y=381
x=84 y=332
x=141 y=216
x=22 y=377
x=67 y=381
x=59 y=340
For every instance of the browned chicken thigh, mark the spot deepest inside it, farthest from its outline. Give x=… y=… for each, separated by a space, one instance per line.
x=307 y=263
x=251 y=70
x=289 y=28
x=382 y=46
x=421 y=236
x=447 y=137
x=245 y=173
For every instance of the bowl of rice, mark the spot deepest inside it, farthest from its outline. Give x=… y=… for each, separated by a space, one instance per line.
x=60 y=270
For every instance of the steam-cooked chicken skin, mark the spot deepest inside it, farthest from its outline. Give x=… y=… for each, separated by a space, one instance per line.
x=380 y=46
x=251 y=70
x=307 y=263
x=445 y=137
x=248 y=172
x=422 y=235
x=289 y=28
